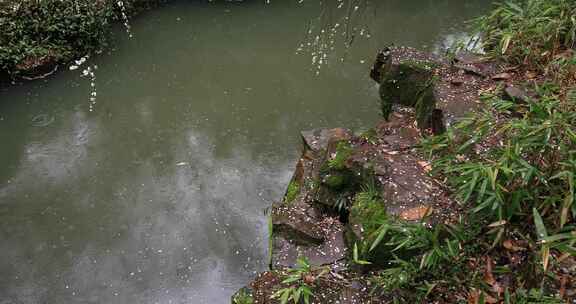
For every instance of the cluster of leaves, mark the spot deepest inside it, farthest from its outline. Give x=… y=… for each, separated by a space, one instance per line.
x=299 y=281
x=515 y=161
x=410 y=250
x=514 y=165
x=530 y=33
x=55 y=30
x=59 y=29
x=343 y=152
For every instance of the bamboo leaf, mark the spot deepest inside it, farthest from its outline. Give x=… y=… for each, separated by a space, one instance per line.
x=379 y=238
x=506 y=39
x=545 y=256
x=539 y=223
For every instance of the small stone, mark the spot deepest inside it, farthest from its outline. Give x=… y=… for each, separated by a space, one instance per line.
x=516 y=94
x=470 y=69
x=457 y=81
x=502 y=76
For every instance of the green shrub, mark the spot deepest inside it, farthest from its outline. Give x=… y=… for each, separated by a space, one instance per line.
x=343 y=152
x=55 y=31
x=514 y=166
x=299 y=282
x=529 y=32
x=59 y=29
x=404 y=250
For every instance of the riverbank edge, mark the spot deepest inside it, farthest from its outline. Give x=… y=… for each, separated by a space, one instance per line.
x=309 y=232
x=40 y=67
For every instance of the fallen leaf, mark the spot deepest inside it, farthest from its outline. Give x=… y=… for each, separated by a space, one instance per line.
x=425 y=165
x=416 y=213
x=512 y=246
x=562 y=291
x=498 y=224
x=473 y=297
x=502 y=76
x=531 y=74
x=488 y=275
x=490 y=280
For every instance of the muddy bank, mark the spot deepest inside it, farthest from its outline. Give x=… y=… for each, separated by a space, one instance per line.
x=346 y=185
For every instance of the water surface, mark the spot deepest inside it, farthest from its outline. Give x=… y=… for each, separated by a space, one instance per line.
x=155 y=191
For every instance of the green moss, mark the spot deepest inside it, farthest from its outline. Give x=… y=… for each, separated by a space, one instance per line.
x=335 y=181
x=369 y=135
x=343 y=152
x=292 y=192
x=368 y=209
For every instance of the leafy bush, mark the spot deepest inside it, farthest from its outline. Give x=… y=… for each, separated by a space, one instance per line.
x=49 y=31
x=531 y=32
x=406 y=250
x=300 y=281
x=59 y=29
x=516 y=160
x=343 y=152
x=514 y=165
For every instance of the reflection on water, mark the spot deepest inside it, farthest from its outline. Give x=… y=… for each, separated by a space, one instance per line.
x=158 y=194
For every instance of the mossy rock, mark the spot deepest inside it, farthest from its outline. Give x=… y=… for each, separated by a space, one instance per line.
x=411 y=85
x=359 y=233
x=337 y=179
x=408 y=83
x=380 y=237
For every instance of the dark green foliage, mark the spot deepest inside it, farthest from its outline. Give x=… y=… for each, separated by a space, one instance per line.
x=514 y=166
x=533 y=296
x=509 y=163
x=56 y=29
x=343 y=151
x=53 y=31
x=529 y=32
x=299 y=282
x=386 y=241
x=336 y=180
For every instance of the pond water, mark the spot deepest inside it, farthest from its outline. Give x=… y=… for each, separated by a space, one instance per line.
x=156 y=191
